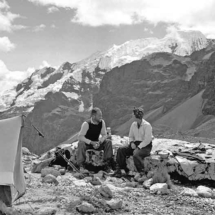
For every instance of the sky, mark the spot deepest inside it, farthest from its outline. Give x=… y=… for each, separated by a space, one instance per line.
x=38 y=33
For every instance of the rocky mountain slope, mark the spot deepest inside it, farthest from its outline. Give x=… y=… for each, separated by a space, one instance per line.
x=176 y=92
x=156 y=73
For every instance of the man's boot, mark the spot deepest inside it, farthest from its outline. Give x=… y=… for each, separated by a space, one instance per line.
x=108 y=166
x=117 y=173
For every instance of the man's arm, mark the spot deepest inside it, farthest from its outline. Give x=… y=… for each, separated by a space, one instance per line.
x=103 y=132
x=147 y=137
x=131 y=134
x=82 y=133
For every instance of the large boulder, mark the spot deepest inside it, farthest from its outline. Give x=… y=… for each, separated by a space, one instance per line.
x=189 y=160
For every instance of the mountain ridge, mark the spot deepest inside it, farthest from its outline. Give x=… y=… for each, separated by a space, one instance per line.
x=183 y=42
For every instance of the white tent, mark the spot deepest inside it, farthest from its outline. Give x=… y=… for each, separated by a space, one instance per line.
x=12 y=182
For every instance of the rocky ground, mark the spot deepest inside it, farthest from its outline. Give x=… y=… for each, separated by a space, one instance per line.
x=113 y=196
x=54 y=191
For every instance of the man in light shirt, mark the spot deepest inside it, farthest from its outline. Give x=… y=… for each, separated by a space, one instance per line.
x=140 y=138
x=89 y=138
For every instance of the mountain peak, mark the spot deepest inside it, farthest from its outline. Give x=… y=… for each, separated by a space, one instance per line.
x=66 y=66
x=185 y=42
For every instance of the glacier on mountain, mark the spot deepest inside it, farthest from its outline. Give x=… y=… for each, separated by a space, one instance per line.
x=180 y=43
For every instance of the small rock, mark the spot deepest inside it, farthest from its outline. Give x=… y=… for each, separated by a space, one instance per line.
x=57 y=167
x=105 y=191
x=209 y=152
x=96 y=181
x=50 y=179
x=47 y=211
x=131 y=173
x=150 y=174
x=204 y=191
x=131 y=184
x=114 y=204
x=160 y=188
x=74 y=202
x=147 y=184
x=100 y=175
x=137 y=176
x=50 y=170
x=62 y=171
x=25 y=151
x=85 y=207
x=59 y=178
x=189 y=192
x=88 y=179
x=142 y=179
x=84 y=171
x=78 y=175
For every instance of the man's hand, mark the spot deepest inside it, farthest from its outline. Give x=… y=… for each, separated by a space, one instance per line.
x=95 y=144
x=136 y=150
x=133 y=146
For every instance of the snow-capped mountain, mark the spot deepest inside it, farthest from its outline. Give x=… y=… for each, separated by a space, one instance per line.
x=75 y=79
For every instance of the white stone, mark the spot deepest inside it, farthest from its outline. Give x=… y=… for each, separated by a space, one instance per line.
x=159 y=188
x=147 y=184
x=25 y=151
x=189 y=192
x=204 y=191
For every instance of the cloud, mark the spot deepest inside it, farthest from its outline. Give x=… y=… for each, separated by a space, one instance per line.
x=9 y=79
x=6 y=17
x=39 y=28
x=18 y=27
x=4 y=5
x=6 y=45
x=52 y=9
x=53 y=26
x=44 y=64
x=192 y=14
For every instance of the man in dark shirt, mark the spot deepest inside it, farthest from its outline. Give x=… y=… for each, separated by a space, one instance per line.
x=89 y=138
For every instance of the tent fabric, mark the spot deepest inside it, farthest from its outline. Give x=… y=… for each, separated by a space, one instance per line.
x=5 y=195
x=11 y=168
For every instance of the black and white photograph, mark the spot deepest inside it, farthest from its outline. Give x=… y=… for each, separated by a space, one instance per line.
x=107 y=107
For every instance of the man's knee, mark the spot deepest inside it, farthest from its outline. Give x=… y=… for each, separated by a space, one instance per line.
x=108 y=142
x=121 y=150
x=136 y=156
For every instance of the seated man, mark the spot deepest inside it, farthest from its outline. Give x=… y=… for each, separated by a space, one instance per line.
x=140 y=138
x=89 y=138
